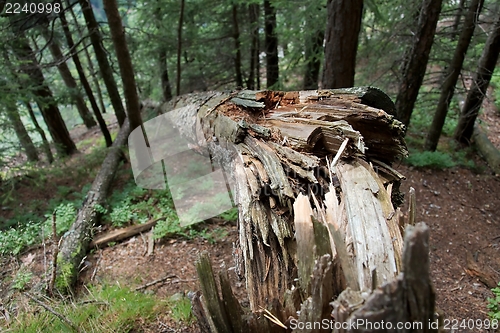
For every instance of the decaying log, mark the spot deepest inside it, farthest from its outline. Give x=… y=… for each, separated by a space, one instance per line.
x=76 y=241
x=487 y=149
x=122 y=233
x=317 y=196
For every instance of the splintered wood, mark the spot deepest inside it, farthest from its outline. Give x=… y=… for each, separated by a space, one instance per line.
x=308 y=228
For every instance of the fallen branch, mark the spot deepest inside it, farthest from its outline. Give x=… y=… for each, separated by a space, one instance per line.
x=124 y=233
x=152 y=283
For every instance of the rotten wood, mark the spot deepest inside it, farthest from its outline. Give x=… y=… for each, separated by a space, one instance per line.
x=311 y=172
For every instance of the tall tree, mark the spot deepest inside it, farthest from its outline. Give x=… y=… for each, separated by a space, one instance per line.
x=41 y=132
x=342 y=32
x=416 y=62
x=102 y=60
x=20 y=130
x=44 y=98
x=179 y=47
x=84 y=81
x=124 y=62
x=253 y=81
x=480 y=82
x=314 y=36
x=237 y=56
x=452 y=73
x=68 y=78
x=271 y=43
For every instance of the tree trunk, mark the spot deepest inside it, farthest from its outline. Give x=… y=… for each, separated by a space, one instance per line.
x=237 y=56
x=480 y=82
x=68 y=79
x=179 y=48
x=253 y=11
x=448 y=88
x=298 y=252
x=458 y=17
x=84 y=81
x=416 y=62
x=342 y=33
x=21 y=133
x=102 y=60
x=45 y=100
x=93 y=73
x=165 y=82
x=487 y=149
x=45 y=142
x=75 y=242
x=124 y=62
x=271 y=40
x=313 y=48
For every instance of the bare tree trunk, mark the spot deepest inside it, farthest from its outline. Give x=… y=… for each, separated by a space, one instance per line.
x=68 y=79
x=45 y=100
x=21 y=132
x=45 y=142
x=165 y=82
x=93 y=73
x=416 y=63
x=448 y=88
x=102 y=60
x=84 y=81
x=253 y=11
x=237 y=56
x=458 y=17
x=342 y=33
x=313 y=48
x=271 y=41
x=179 y=48
x=124 y=62
x=480 y=82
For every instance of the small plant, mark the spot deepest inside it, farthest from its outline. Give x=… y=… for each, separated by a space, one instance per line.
x=23 y=277
x=432 y=159
x=180 y=307
x=494 y=304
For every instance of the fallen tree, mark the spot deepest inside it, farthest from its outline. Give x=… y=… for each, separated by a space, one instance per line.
x=75 y=242
x=487 y=149
x=318 y=218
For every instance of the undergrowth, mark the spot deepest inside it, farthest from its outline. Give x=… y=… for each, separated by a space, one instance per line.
x=103 y=308
x=494 y=304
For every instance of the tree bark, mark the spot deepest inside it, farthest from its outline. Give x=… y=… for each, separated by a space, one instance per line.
x=416 y=62
x=271 y=41
x=341 y=44
x=253 y=76
x=179 y=48
x=458 y=18
x=45 y=100
x=102 y=60
x=448 y=88
x=480 y=82
x=21 y=132
x=84 y=81
x=237 y=56
x=75 y=242
x=68 y=79
x=45 y=142
x=124 y=62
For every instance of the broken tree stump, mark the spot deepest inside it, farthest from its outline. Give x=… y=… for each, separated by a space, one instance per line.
x=318 y=199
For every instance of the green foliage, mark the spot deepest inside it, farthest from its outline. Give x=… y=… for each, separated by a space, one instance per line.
x=180 y=308
x=494 y=304
x=439 y=159
x=21 y=280
x=230 y=215
x=105 y=309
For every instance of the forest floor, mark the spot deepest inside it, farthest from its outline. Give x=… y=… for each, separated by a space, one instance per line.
x=461 y=206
